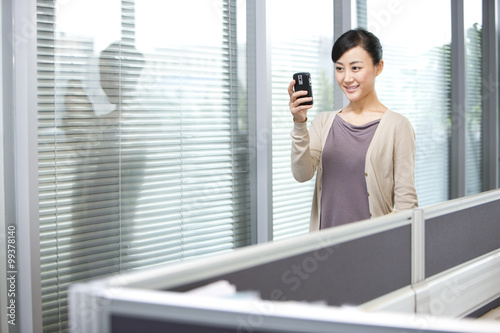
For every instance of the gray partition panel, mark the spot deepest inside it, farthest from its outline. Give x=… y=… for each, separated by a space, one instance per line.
x=455 y=238
x=350 y=273
x=127 y=324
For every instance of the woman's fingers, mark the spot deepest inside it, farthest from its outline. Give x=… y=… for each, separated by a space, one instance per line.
x=299 y=112
x=290 y=88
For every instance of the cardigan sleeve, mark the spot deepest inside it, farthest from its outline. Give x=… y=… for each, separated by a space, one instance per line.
x=306 y=150
x=405 y=194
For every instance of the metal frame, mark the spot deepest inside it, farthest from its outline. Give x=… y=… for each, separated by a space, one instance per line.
x=342 y=21
x=418 y=246
x=458 y=96
x=259 y=121
x=26 y=159
x=4 y=8
x=461 y=203
x=490 y=99
x=21 y=158
x=453 y=292
x=490 y=76
x=280 y=317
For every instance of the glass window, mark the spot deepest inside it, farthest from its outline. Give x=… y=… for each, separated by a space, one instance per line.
x=416 y=82
x=302 y=38
x=474 y=96
x=143 y=148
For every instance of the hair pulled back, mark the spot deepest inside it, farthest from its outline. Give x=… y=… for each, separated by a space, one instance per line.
x=358 y=37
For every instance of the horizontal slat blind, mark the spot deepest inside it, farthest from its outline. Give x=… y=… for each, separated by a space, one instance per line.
x=416 y=83
x=141 y=160
x=423 y=97
x=311 y=53
x=291 y=199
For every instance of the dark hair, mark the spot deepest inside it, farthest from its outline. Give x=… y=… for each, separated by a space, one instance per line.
x=358 y=37
x=119 y=54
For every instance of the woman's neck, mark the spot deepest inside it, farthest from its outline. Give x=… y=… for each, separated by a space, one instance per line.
x=363 y=112
x=368 y=104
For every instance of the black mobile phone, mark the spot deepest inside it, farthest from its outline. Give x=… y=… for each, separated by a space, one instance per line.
x=303 y=82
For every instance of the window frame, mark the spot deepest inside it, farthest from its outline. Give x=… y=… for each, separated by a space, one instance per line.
x=20 y=161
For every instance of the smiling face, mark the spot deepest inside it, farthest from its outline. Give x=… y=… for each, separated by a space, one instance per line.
x=355 y=73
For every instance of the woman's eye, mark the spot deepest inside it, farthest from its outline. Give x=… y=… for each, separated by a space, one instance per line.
x=338 y=69
x=356 y=69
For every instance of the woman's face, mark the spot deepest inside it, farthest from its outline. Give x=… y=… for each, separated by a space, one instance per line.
x=355 y=73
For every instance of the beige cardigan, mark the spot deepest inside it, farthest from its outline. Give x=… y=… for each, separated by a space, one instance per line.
x=389 y=164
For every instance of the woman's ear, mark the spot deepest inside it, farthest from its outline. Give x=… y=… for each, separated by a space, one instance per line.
x=379 y=67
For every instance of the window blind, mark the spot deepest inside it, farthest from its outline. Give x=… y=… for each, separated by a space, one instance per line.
x=416 y=83
x=142 y=160
x=423 y=97
x=291 y=200
x=311 y=53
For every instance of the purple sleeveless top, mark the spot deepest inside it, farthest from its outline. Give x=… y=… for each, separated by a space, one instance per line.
x=344 y=197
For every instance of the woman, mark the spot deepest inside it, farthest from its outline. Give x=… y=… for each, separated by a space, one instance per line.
x=364 y=154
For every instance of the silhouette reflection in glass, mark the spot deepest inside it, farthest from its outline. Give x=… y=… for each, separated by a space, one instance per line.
x=103 y=135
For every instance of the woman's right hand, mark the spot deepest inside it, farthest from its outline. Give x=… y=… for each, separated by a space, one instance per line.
x=299 y=112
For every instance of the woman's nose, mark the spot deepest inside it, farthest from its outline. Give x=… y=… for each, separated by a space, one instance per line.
x=348 y=76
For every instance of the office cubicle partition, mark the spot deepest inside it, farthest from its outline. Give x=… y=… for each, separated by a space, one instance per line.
x=342 y=271
x=427 y=265
x=465 y=232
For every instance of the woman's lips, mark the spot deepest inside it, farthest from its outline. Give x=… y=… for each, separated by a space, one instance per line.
x=351 y=88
